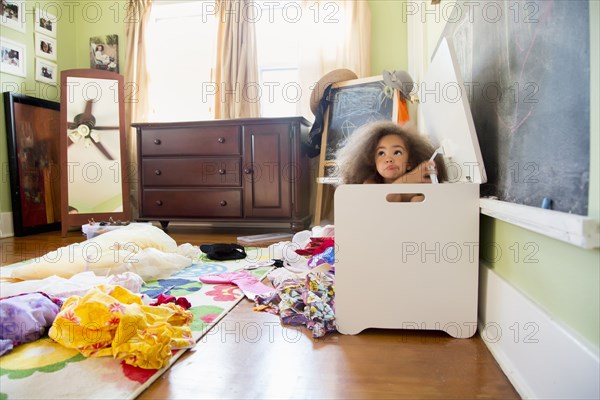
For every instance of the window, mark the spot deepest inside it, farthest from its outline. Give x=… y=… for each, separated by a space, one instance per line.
x=180 y=61
x=277 y=40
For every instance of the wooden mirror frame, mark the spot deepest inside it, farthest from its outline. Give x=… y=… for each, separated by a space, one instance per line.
x=67 y=78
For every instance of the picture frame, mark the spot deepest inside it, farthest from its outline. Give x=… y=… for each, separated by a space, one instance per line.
x=32 y=130
x=45 y=47
x=13 y=57
x=12 y=14
x=104 y=53
x=46 y=71
x=45 y=22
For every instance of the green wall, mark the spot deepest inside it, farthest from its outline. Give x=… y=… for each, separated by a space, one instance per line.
x=77 y=22
x=389 y=36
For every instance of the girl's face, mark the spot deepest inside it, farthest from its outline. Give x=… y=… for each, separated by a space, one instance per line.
x=391 y=157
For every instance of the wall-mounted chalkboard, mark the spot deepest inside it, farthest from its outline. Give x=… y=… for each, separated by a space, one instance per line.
x=526 y=67
x=353 y=104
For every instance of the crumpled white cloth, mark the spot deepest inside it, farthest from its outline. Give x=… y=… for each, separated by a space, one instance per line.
x=189 y=251
x=140 y=248
x=151 y=263
x=286 y=251
x=77 y=285
x=302 y=238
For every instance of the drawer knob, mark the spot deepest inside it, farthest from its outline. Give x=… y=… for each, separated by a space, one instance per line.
x=222 y=171
x=158 y=172
x=223 y=203
x=247 y=171
x=159 y=202
x=221 y=140
x=157 y=141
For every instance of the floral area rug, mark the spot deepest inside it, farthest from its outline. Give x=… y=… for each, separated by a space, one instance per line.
x=46 y=370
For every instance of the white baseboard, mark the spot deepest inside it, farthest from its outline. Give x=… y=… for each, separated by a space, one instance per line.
x=542 y=358
x=6 y=225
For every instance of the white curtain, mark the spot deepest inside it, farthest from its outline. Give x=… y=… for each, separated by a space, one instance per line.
x=136 y=81
x=337 y=34
x=236 y=72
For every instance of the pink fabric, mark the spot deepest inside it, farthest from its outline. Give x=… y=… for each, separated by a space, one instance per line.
x=242 y=279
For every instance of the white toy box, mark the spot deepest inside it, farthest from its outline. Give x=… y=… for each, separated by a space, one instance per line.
x=415 y=265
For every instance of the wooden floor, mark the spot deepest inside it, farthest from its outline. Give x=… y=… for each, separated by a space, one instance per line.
x=250 y=355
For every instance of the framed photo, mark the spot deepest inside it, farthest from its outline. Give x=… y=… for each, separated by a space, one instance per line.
x=45 y=46
x=12 y=14
x=12 y=57
x=46 y=71
x=104 y=53
x=33 y=130
x=45 y=22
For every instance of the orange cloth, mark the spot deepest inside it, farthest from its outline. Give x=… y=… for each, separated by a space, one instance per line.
x=403 y=115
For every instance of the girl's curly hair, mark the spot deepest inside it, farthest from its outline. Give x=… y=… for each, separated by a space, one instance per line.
x=356 y=160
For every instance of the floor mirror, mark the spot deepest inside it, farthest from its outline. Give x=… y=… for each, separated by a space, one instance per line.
x=93 y=152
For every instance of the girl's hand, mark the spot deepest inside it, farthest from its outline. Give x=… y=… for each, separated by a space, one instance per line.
x=420 y=174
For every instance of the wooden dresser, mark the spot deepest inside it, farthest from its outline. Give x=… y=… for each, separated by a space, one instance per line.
x=246 y=171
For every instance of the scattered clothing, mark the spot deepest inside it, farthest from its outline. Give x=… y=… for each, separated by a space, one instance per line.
x=317 y=245
x=24 y=318
x=77 y=285
x=326 y=257
x=307 y=302
x=112 y=321
x=166 y=298
x=248 y=283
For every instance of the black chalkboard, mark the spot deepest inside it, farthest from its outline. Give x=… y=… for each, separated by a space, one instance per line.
x=354 y=104
x=526 y=66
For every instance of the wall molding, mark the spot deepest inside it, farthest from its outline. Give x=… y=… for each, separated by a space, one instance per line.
x=542 y=358
x=6 y=225
x=571 y=228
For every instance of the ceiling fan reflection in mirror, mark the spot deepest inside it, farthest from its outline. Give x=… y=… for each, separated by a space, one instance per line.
x=84 y=128
x=93 y=148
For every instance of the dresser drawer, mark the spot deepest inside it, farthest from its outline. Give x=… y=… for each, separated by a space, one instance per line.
x=218 y=140
x=191 y=172
x=192 y=203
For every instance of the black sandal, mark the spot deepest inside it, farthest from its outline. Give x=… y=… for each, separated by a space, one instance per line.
x=223 y=251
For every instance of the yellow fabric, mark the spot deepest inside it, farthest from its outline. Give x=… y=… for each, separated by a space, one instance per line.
x=112 y=321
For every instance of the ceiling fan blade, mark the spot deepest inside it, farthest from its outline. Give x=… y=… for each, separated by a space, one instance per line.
x=103 y=150
x=87 y=113
x=71 y=125
x=106 y=128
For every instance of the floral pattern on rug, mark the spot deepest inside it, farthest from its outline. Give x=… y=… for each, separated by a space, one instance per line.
x=45 y=369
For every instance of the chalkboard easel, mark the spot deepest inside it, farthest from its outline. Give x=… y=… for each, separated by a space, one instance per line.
x=353 y=104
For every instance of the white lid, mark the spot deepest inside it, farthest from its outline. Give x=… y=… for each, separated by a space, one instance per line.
x=447 y=116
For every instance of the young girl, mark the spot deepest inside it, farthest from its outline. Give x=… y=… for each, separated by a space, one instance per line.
x=385 y=152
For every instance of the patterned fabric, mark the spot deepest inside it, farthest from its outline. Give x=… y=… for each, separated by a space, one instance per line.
x=112 y=321
x=46 y=369
x=307 y=302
